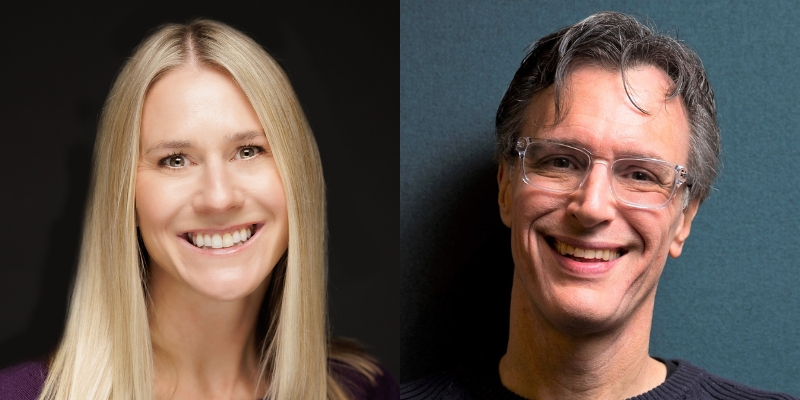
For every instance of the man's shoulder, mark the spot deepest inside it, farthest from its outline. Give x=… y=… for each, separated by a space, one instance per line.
x=691 y=382
x=22 y=381
x=441 y=386
x=458 y=384
x=686 y=382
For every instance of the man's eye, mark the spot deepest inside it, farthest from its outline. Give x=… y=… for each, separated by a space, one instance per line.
x=174 y=161
x=249 y=151
x=640 y=176
x=561 y=162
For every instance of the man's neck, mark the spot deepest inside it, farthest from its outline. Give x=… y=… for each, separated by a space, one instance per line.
x=543 y=362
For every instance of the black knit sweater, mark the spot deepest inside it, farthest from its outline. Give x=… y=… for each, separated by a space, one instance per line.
x=684 y=381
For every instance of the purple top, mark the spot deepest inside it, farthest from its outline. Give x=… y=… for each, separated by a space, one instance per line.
x=24 y=382
x=385 y=387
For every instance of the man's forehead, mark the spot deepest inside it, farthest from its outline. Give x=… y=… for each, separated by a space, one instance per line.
x=563 y=90
x=596 y=103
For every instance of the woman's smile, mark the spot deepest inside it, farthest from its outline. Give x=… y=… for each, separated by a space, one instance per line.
x=221 y=238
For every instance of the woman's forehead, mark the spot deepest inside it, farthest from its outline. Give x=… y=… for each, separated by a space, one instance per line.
x=191 y=102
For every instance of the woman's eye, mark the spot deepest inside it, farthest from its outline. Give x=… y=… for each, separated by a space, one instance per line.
x=249 y=151
x=174 y=161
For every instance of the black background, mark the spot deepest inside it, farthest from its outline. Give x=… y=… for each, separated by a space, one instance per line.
x=56 y=67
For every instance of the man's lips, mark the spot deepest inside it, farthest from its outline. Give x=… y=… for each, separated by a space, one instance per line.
x=585 y=254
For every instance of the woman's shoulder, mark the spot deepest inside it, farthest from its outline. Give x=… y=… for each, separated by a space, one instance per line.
x=364 y=377
x=23 y=381
x=379 y=385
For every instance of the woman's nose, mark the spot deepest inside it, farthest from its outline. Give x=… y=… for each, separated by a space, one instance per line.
x=218 y=191
x=593 y=203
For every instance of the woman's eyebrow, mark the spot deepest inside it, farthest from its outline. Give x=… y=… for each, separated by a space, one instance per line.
x=183 y=144
x=243 y=136
x=172 y=144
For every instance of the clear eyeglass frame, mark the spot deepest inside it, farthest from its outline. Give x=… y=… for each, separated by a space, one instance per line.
x=681 y=172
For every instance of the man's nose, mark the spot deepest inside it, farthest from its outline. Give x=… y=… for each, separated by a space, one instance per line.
x=218 y=191
x=593 y=203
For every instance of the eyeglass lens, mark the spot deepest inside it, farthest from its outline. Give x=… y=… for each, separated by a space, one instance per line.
x=561 y=168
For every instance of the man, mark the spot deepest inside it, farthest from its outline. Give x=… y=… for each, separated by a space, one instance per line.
x=607 y=144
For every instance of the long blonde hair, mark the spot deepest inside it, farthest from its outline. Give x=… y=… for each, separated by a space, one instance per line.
x=106 y=351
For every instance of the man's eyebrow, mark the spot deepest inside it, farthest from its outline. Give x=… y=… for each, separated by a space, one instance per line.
x=635 y=153
x=640 y=154
x=171 y=144
x=243 y=136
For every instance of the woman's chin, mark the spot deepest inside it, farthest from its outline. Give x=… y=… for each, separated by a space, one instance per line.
x=229 y=288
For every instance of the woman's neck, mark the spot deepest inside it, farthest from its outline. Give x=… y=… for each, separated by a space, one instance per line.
x=203 y=348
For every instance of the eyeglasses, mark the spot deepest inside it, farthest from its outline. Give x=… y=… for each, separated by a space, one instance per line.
x=563 y=168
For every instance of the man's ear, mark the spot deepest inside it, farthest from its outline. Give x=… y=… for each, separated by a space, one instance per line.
x=504 y=194
x=684 y=227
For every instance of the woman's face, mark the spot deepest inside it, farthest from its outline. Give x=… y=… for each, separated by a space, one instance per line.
x=210 y=203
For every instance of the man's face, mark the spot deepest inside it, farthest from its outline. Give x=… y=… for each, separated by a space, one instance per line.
x=577 y=294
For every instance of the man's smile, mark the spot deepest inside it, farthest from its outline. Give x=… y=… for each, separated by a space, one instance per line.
x=585 y=254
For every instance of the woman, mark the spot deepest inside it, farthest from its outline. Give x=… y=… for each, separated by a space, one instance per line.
x=202 y=267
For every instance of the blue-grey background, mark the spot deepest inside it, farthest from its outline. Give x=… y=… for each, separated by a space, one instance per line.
x=729 y=304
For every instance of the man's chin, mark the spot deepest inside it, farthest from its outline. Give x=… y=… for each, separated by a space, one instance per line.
x=585 y=318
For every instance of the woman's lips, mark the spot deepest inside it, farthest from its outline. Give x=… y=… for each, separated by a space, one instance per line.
x=221 y=239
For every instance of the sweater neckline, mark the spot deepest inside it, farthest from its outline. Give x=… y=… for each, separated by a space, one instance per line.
x=676 y=385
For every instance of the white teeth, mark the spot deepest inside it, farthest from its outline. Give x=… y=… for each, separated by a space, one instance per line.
x=219 y=241
x=604 y=254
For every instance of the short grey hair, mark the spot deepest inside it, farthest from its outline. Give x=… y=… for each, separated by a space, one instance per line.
x=616 y=41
